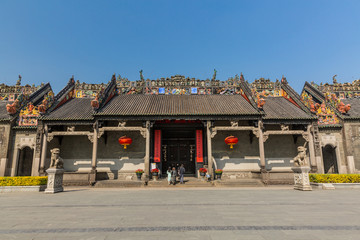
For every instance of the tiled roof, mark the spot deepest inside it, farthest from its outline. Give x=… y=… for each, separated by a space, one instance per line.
x=3 y=113
x=281 y=108
x=74 y=109
x=355 y=107
x=170 y=105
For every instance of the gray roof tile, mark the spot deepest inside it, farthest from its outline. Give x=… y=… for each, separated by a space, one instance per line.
x=355 y=107
x=169 y=105
x=74 y=109
x=281 y=108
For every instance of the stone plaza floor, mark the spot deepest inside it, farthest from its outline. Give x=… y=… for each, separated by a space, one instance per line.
x=186 y=213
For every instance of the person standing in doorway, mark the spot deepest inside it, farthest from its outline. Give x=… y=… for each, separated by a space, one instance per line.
x=169 y=175
x=182 y=172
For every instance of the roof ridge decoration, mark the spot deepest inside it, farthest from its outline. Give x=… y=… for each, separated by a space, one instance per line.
x=64 y=95
x=19 y=102
x=294 y=96
x=246 y=92
x=325 y=113
x=104 y=96
x=29 y=115
x=180 y=85
x=342 y=90
x=313 y=88
x=12 y=92
x=262 y=88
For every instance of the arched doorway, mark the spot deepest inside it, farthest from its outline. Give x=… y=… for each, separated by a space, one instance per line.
x=25 y=162
x=329 y=159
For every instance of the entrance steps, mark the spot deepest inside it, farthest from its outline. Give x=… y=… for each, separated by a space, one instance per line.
x=118 y=184
x=245 y=182
x=189 y=182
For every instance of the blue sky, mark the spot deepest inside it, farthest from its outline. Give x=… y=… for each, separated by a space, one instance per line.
x=48 y=41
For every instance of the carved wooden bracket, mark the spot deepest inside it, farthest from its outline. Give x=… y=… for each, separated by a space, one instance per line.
x=284 y=127
x=122 y=124
x=70 y=129
x=305 y=135
x=100 y=133
x=91 y=138
x=50 y=137
x=265 y=137
x=143 y=133
x=234 y=123
x=213 y=133
x=256 y=132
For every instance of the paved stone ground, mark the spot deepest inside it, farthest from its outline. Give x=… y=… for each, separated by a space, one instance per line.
x=187 y=213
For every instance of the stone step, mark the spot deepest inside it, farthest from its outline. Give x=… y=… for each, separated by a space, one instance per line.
x=239 y=183
x=193 y=182
x=187 y=183
x=118 y=184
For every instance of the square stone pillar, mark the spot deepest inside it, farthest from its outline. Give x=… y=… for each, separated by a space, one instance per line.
x=301 y=178
x=55 y=180
x=3 y=163
x=147 y=152
x=209 y=149
x=43 y=151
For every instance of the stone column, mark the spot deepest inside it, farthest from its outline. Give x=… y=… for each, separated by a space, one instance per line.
x=261 y=146
x=43 y=151
x=313 y=164
x=92 y=178
x=147 y=151
x=209 y=150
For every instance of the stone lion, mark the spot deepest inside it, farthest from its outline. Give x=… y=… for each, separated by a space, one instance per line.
x=56 y=160
x=300 y=159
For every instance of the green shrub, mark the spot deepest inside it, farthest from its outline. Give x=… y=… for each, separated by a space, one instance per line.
x=23 y=181
x=334 y=178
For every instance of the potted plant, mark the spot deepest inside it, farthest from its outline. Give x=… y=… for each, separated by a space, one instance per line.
x=218 y=173
x=202 y=171
x=139 y=172
x=155 y=172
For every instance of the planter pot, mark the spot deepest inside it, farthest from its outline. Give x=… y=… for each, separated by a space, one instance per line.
x=155 y=174
x=218 y=175
x=202 y=174
x=138 y=176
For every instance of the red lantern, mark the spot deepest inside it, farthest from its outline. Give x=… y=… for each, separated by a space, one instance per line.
x=124 y=140
x=231 y=140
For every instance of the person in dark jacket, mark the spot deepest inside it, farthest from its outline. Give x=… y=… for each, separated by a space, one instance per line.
x=182 y=172
x=173 y=175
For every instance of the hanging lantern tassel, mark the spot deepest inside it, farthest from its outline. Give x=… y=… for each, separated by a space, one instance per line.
x=231 y=141
x=125 y=141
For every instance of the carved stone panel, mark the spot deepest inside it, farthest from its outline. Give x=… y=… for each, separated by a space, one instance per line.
x=26 y=142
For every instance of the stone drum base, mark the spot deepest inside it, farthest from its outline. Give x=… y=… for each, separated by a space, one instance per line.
x=55 y=180
x=301 y=178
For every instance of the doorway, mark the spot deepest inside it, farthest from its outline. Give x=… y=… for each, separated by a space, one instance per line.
x=178 y=147
x=25 y=162
x=329 y=159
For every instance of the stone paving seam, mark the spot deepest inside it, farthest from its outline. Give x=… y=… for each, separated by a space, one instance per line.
x=184 y=229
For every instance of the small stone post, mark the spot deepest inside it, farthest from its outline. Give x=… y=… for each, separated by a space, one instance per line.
x=301 y=171
x=55 y=173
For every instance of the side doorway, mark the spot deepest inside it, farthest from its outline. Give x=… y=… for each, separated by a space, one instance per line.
x=329 y=159
x=25 y=162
